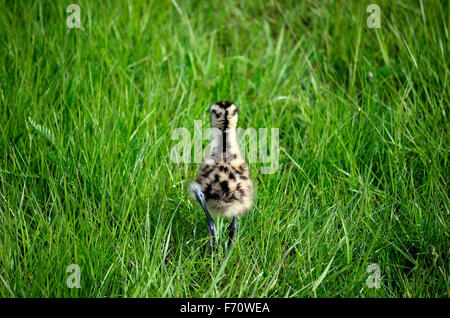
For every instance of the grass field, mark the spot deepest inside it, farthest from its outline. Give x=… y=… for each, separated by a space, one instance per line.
x=85 y=140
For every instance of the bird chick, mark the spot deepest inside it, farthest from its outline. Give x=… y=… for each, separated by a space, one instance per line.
x=223 y=184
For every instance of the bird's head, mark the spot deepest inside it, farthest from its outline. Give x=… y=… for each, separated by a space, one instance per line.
x=224 y=115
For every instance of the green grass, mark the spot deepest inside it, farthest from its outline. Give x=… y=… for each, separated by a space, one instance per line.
x=85 y=139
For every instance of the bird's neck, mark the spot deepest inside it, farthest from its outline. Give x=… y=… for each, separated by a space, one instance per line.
x=225 y=142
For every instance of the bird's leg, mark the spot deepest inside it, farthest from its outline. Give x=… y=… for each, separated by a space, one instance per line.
x=232 y=228
x=209 y=220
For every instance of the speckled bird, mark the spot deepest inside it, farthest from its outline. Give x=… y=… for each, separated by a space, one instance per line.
x=223 y=184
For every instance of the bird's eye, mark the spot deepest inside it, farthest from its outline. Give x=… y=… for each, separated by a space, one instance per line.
x=217 y=114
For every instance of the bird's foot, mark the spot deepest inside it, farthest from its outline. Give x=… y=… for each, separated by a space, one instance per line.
x=232 y=228
x=213 y=240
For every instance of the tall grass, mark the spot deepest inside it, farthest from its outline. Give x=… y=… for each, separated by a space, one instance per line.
x=85 y=139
